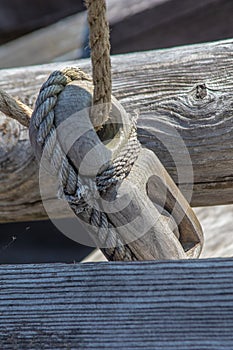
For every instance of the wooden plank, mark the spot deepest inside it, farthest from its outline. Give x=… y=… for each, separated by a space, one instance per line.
x=151 y=305
x=165 y=86
x=46 y=44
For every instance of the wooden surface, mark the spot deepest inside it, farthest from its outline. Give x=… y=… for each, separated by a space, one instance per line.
x=151 y=305
x=165 y=87
x=217 y=226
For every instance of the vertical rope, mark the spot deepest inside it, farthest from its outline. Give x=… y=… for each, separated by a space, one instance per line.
x=101 y=63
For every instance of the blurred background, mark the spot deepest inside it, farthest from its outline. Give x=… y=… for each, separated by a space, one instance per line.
x=38 y=31
x=35 y=32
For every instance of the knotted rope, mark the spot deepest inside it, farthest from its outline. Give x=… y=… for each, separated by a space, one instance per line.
x=72 y=187
x=82 y=192
x=75 y=189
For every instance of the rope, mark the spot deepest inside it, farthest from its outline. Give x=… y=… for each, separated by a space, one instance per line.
x=47 y=98
x=76 y=190
x=101 y=71
x=100 y=56
x=14 y=108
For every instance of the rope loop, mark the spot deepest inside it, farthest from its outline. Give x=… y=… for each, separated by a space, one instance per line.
x=78 y=191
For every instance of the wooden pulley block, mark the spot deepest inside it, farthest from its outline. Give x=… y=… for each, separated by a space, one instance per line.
x=140 y=209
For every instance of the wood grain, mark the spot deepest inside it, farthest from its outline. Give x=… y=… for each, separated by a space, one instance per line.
x=216 y=223
x=147 y=305
x=186 y=89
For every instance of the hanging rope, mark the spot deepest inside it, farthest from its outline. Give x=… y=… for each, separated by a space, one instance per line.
x=101 y=71
x=75 y=189
x=100 y=56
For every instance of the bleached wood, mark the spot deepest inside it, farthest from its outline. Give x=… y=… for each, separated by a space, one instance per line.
x=147 y=305
x=217 y=226
x=134 y=208
x=164 y=85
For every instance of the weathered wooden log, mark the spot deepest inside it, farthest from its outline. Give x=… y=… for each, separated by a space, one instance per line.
x=145 y=211
x=187 y=89
x=147 y=305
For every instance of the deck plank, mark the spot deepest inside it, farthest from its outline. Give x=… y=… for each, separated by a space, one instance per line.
x=150 y=305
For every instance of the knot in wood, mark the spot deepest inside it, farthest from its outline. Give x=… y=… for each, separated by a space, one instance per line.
x=201 y=91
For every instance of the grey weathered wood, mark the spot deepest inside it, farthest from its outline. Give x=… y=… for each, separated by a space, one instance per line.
x=165 y=86
x=133 y=211
x=150 y=305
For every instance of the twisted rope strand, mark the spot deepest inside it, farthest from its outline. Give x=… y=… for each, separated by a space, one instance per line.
x=101 y=63
x=73 y=188
x=15 y=109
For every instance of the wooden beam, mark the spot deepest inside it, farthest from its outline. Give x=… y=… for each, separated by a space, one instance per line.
x=46 y=44
x=186 y=89
x=147 y=305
